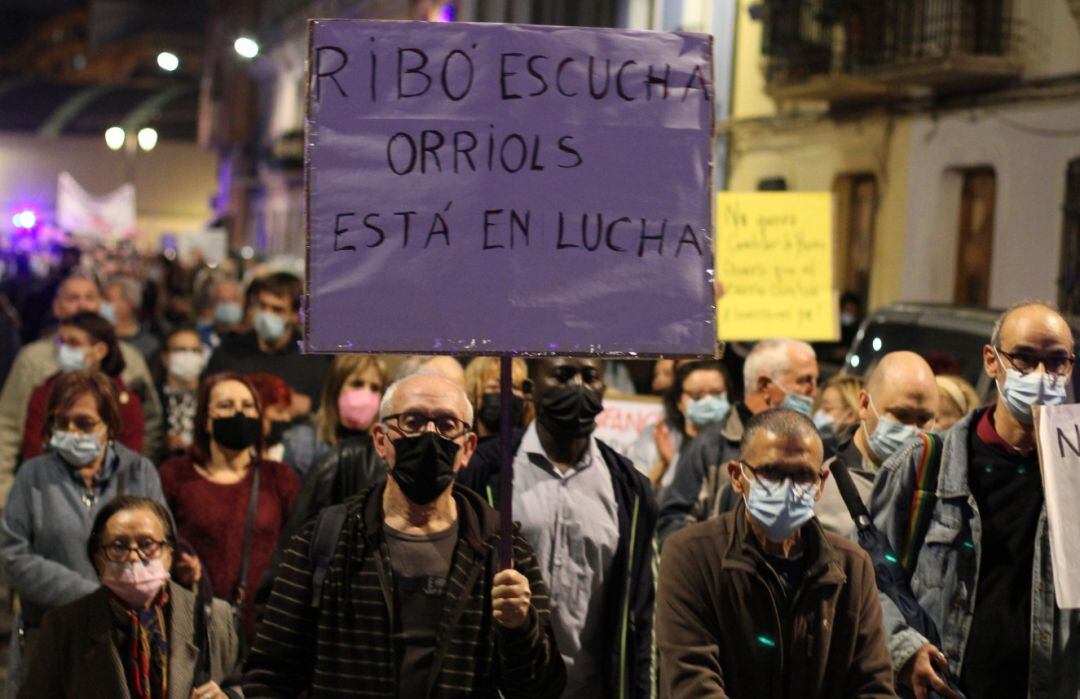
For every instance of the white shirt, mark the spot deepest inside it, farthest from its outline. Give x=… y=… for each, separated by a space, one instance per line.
x=571 y=521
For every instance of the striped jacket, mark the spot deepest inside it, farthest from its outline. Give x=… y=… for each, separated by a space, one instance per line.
x=344 y=646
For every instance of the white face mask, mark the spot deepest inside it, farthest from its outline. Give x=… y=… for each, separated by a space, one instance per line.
x=71 y=358
x=186 y=365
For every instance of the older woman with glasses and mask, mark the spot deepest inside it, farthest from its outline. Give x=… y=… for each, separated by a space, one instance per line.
x=55 y=498
x=139 y=635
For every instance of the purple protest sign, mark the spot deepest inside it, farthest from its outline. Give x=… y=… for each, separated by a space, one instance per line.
x=485 y=188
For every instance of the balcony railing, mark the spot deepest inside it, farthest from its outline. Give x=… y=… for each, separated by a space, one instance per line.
x=841 y=49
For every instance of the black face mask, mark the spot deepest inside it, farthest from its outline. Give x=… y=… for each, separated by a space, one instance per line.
x=277 y=432
x=424 y=466
x=344 y=432
x=237 y=431
x=569 y=411
x=490 y=412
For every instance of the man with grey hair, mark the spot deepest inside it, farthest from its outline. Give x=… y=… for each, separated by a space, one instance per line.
x=123 y=300
x=777 y=372
x=981 y=567
x=38 y=361
x=442 y=365
x=412 y=602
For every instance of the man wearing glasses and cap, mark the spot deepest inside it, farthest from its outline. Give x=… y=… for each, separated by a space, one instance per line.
x=982 y=569
x=762 y=601
x=411 y=602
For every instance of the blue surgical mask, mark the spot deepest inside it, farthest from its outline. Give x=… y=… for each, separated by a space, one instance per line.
x=108 y=312
x=707 y=410
x=270 y=327
x=780 y=509
x=1021 y=391
x=228 y=313
x=75 y=448
x=71 y=358
x=889 y=435
x=824 y=422
x=799 y=403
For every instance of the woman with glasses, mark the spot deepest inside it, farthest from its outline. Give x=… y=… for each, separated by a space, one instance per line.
x=229 y=503
x=138 y=635
x=55 y=498
x=86 y=342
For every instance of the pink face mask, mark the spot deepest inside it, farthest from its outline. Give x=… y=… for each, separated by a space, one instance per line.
x=358 y=408
x=136 y=583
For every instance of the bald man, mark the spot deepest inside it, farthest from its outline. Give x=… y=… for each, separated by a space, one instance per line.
x=414 y=604
x=982 y=571
x=762 y=601
x=446 y=367
x=900 y=401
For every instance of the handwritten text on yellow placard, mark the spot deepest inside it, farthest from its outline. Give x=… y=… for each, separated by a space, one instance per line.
x=774 y=258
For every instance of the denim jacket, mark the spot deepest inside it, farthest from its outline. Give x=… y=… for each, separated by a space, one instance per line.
x=947 y=569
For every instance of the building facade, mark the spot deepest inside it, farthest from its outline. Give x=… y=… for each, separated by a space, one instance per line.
x=949 y=131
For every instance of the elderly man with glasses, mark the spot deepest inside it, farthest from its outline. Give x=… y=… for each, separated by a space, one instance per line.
x=762 y=601
x=408 y=599
x=982 y=569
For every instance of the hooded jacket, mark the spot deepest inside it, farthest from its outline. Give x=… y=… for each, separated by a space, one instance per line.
x=631 y=593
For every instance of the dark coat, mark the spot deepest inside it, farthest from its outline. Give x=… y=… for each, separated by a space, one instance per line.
x=344 y=645
x=76 y=657
x=720 y=634
x=628 y=618
x=715 y=446
x=348 y=469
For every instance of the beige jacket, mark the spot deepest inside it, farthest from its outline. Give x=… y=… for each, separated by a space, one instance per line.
x=75 y=656
x=37 y=362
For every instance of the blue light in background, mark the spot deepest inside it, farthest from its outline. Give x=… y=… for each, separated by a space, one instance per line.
x=447 y=13
x=25 y=219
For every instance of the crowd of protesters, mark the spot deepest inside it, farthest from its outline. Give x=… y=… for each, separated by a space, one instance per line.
x=195 y=508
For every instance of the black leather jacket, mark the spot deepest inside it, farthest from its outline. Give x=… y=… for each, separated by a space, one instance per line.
x=346 y=470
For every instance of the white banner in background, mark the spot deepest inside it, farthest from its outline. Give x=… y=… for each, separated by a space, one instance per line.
x=211 y=245
x=111 y=215
x=623 y=421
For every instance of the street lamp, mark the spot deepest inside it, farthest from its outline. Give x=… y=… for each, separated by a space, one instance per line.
x=24 y=220
x=147 y=138
x=246 y=47
x=115 y=137
x=168 y=61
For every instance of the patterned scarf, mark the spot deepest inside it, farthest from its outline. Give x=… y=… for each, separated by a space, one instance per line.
x=144 y=645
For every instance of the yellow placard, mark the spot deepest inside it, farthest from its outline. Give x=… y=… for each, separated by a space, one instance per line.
x=774 y=258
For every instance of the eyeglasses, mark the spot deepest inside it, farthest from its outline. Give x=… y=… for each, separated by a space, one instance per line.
x=1060 y=363
x=119 y=551
x=413 y=423
x=772 y=477
x=86 y=425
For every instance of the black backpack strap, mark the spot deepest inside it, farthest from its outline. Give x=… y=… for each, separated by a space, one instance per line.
x=850 y=494
x=328 y=526
x=249 y=534
x=202 y=640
